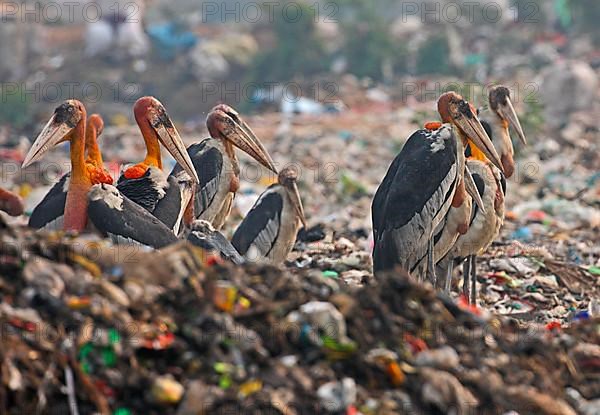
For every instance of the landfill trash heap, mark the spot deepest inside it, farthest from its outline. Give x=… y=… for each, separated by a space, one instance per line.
x=92 y=328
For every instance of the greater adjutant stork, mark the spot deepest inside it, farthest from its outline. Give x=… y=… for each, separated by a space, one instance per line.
x=48 y=214
x=485 y=224
x=145 y=183
x=110 y=212
x=216 y=163
x=425 y=179
x=496 y=119
x=269 y=230
x=202 y=234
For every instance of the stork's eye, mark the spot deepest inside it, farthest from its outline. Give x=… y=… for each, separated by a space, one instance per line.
x=232 y=116
x=163 y=117
x=465 y=108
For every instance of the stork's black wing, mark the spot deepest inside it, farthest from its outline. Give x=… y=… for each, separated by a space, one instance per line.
x=146 y=191
x=169 y=210
x=215 y=241
x=120 y=218
x=260 y=228
x=381 y=194
x=208 y=162
x=49 y=212
x=480 y=184
x=415 y=190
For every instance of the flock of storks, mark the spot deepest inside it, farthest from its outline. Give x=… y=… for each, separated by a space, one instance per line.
x=150 y=207
x=440 y=204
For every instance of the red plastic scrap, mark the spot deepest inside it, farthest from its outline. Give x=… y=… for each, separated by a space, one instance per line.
x=23 y=325
x=499 y=277
x=553 y=325
x=463 y=303
x=416 y=345
x=536 y=216
x=103 y=387
x=589 y=364
x=160 y=342
x=351 y=410
x=213 y=260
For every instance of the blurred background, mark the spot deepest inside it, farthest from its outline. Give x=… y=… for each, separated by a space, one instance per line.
x=323 y=83
x=291 y=55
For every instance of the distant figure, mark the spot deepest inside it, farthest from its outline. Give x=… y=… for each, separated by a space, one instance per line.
x=120 y=31
x=569 y=86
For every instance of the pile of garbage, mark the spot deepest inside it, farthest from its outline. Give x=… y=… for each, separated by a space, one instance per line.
x=92 y=328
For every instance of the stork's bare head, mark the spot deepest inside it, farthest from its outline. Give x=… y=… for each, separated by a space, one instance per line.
x=59 y=128
x=500 y=102
x=96 y=121
x=223 y=122
x=463 y=116
x=150 y=112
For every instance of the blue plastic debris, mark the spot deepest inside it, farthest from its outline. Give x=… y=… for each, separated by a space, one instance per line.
x=582 y=315
x=171 y=39
x=522 y=234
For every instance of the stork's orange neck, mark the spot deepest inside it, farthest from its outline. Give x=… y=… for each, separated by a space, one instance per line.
x=79 y=172
x=94 y=162
x=94 y=156
x=476 y=153
x=75 y=217
x=153 y=157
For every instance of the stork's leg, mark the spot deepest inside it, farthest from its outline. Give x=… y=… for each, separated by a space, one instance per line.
x=466 y=275
x=419 y=272
x=431 y=264
x=448 y=281
x=474 y=279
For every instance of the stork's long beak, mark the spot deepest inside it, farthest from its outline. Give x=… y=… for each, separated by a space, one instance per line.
x=53 y=133
x=294 y=195
x=169 y=137
x=470 y=125
x=471 y=189
x=241 y=135
x=507 y=111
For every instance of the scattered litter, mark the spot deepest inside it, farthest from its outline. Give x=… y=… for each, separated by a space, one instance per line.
x=216 y=336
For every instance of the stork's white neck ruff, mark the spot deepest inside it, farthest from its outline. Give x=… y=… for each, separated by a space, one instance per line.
x=109 y=194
